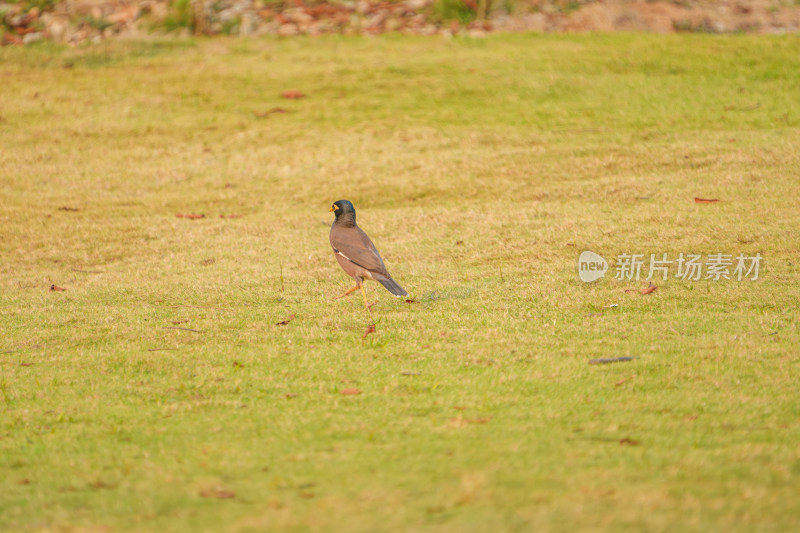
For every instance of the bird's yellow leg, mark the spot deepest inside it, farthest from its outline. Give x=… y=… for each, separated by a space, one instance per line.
x=347 y=292
x=364 y=294
x=367 y=306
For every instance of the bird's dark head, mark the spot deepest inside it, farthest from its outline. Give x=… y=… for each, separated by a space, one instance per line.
x=344 y=211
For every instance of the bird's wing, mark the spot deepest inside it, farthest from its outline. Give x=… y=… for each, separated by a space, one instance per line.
x=355 y=246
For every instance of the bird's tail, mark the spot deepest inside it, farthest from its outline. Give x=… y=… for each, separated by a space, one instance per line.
x=392 y=286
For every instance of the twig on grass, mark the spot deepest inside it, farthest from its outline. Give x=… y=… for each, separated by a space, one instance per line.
x=607 y=360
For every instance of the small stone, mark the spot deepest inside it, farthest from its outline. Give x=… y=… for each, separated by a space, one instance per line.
x=32 y=37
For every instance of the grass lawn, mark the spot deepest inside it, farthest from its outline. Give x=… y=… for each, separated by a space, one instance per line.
x=159 y=392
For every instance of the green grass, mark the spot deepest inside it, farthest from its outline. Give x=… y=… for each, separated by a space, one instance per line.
x=481 y=169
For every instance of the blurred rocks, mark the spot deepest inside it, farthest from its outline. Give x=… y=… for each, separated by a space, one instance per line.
x=75 y=21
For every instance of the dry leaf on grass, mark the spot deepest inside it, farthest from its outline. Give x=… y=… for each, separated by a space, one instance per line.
x=705 y=200
x=264 y=114
x=54 y=288
x=218 y=493
x=370 y=329
x=190 y=215
x=284 y=322
x=292 y=95
x=349 y=392
x=647 y=290
x=623 y=381
x=460 y=421
x=627 y=441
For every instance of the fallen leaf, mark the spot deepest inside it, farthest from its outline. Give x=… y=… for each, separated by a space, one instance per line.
x=411 y=300
x=24 y=481
x=623 y=381
x=57 y=289
x=237 y=364
x=349 y=392
x=190 y=215
x=647 y=290
x=628 y=442
x=705 y=200
x=26 y=364
x=99 y=484
x=290 y=395
x=460 y=421
x=293 y=95
x=284 y=322
x=218 y=493
x=650 y=288
x=65 y=208
x=263 y=114
x=370 y=329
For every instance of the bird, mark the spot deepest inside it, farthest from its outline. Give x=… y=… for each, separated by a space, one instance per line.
x=356 y=254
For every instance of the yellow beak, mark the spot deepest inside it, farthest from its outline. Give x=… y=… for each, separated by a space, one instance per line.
x=334 y=208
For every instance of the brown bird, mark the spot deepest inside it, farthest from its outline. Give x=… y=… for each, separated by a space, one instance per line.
x=356 y=253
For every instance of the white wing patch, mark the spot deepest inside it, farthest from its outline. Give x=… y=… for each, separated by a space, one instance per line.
x=340 y=253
